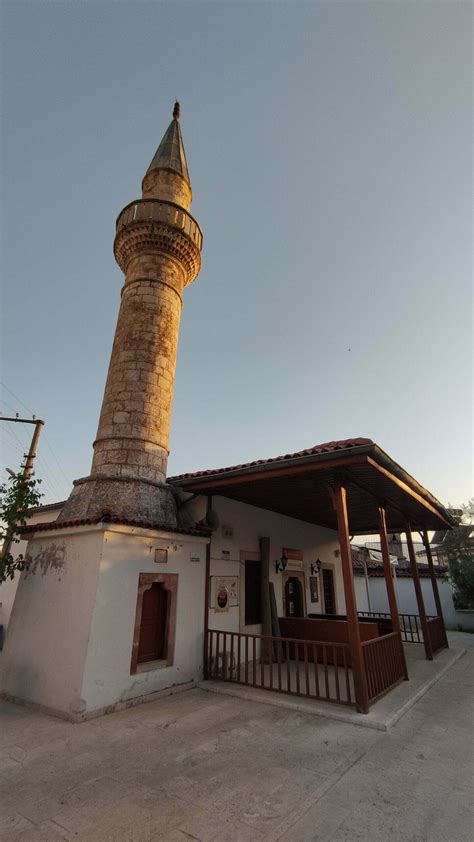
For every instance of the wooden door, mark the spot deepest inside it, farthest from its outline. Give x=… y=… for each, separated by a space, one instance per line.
x=294 y=597
x=328 y=591
x=152 y=641
x=253 y=592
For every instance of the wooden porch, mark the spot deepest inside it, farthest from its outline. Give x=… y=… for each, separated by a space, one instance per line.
x=351 y=659
x=315 y=670
x=411 y=629
x=383 y=712
x=352 y=487
x=304 y=665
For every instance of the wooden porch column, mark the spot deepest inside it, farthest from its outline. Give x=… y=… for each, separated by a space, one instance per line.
x=434 y=582
x=339 y=496
x=206 y=664
x=206 y=612
x=266 y=649
x=387 y=569
x=419 y=594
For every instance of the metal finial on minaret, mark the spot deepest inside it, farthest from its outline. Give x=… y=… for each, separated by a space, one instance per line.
x=170 y=155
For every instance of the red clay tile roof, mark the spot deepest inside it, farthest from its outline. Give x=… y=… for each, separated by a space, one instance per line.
x=358 y=561
x=108 y=518
x=375 y=568
x=328 y=447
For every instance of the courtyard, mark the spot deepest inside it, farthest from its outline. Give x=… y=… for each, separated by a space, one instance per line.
x=198 y=765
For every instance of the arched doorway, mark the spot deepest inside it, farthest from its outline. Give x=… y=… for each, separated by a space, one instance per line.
x=152 y=643
x=294 y=599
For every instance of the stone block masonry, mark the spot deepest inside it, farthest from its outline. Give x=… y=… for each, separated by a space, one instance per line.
x=134 y=426
x=158 y=250
x=166 y=184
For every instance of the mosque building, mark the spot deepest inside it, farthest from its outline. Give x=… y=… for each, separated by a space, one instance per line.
x=144 y=584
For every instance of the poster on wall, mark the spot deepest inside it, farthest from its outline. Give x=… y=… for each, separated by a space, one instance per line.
x=224 y=593
x=313 y=587
x=295 y=558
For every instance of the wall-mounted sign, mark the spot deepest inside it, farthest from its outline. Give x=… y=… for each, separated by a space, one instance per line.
x=195 y=559
x=224 y=593
x=161 y=556
x=313 y=587
x=295 y=558
x=294 y=564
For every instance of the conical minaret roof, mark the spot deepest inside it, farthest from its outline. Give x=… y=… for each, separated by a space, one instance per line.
x=170 y=154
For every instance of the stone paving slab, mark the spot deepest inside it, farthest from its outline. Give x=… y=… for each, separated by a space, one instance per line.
x=202 y=766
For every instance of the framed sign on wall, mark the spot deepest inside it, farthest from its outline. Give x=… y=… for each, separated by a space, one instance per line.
x=313 y=588
x=294 y=558
x=224 y=593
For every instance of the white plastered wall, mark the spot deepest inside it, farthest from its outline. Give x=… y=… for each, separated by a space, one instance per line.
x=71 y=632
x=45 y=649
x=8 y=589
x=406 y=599
x=127 y=552
x=248 y=524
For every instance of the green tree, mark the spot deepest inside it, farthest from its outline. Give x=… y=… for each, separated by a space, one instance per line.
x=17 y=497
x=458 y=550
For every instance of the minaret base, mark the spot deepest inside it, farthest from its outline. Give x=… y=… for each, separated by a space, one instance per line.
x=126 y=497
x=72 y=643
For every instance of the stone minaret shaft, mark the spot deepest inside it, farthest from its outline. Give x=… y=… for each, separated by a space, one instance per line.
x=158 y=247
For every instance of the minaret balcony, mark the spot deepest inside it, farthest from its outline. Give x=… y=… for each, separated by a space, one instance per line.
x=161 y=211
x=159 y=224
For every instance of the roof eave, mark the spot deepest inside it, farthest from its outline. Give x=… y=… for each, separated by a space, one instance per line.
x=280 y=464
x=370 y=451
x=397 y=471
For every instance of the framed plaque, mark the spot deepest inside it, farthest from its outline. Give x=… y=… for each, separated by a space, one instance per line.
x=313 y=588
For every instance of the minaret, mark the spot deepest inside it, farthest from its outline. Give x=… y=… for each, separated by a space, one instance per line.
x=158 y=247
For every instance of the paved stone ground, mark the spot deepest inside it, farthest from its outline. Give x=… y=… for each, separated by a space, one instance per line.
x=208 y=767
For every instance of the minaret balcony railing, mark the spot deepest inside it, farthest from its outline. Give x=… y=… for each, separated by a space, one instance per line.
x=143 y=210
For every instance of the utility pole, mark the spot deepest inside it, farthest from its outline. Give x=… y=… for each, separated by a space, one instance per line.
x=28 y=469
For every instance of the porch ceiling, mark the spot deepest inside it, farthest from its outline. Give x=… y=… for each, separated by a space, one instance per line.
x=298 y=486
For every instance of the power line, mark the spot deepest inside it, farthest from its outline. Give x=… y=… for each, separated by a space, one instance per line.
x=53 y=488
x=14 y=436
x=47 y=477
x=47 y=474
x=51 y=473
x=68 y=480
x=45 y=436
x=20 y=449
x=9 y=406
x=16 y=397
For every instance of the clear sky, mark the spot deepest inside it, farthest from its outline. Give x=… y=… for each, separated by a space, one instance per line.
x=329 y=148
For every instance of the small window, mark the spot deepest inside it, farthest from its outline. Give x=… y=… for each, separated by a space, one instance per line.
x=253 y=593
x=153 y=640
x=155 y=621
x=328 y=592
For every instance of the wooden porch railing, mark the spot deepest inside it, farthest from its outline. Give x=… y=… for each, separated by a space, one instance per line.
x=436 y=633
x=384 y=663
x=410 y=625
x=285 y=665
